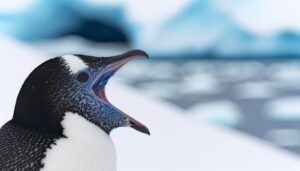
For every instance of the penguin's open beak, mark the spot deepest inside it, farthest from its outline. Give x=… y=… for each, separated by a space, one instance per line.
x=116 y=63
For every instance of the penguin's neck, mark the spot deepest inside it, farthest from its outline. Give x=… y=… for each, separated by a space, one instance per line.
x=85 y=147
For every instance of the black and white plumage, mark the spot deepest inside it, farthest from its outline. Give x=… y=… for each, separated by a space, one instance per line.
x=62 y=117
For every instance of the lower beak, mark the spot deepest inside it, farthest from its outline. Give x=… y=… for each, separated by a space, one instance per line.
x=137 y=125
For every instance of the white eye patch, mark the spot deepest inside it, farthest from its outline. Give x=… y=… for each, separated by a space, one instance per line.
x=74 y=63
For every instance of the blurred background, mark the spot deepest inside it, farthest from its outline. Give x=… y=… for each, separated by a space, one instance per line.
x=232 y=64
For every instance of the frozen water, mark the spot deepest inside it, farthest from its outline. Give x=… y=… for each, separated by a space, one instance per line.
x=284 y=109
x=284 y=137
x=255 y=90
x=224 y=113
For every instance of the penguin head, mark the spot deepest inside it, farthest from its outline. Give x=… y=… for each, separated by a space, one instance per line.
x=73 y=83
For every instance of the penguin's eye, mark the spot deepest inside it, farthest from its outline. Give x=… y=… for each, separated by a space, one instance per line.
x=82 y=77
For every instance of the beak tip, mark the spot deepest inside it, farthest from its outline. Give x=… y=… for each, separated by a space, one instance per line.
x=137 y=52
x=145 y=131
x=139 y=127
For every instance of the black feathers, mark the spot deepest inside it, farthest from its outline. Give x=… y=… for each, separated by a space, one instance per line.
x=22 y=148
x=39 y=101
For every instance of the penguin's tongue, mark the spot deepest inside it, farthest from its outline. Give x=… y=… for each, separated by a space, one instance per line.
x=99 y=90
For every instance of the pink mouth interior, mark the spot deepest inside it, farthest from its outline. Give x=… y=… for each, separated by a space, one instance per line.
x=114 y=67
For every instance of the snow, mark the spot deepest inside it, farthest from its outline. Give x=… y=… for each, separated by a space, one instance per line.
x=270 y=16
x=15 y=6
x=176 y=143
x=224 y=113
x=286 y=108
x=17 y=61
x=201 y=83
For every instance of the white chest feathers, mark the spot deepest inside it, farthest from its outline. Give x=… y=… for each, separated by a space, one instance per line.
x=86 y=148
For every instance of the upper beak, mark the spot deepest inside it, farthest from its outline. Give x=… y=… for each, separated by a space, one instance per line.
x=128 y=56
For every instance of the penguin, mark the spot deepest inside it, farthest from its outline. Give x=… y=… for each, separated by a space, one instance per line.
x=62 y=117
